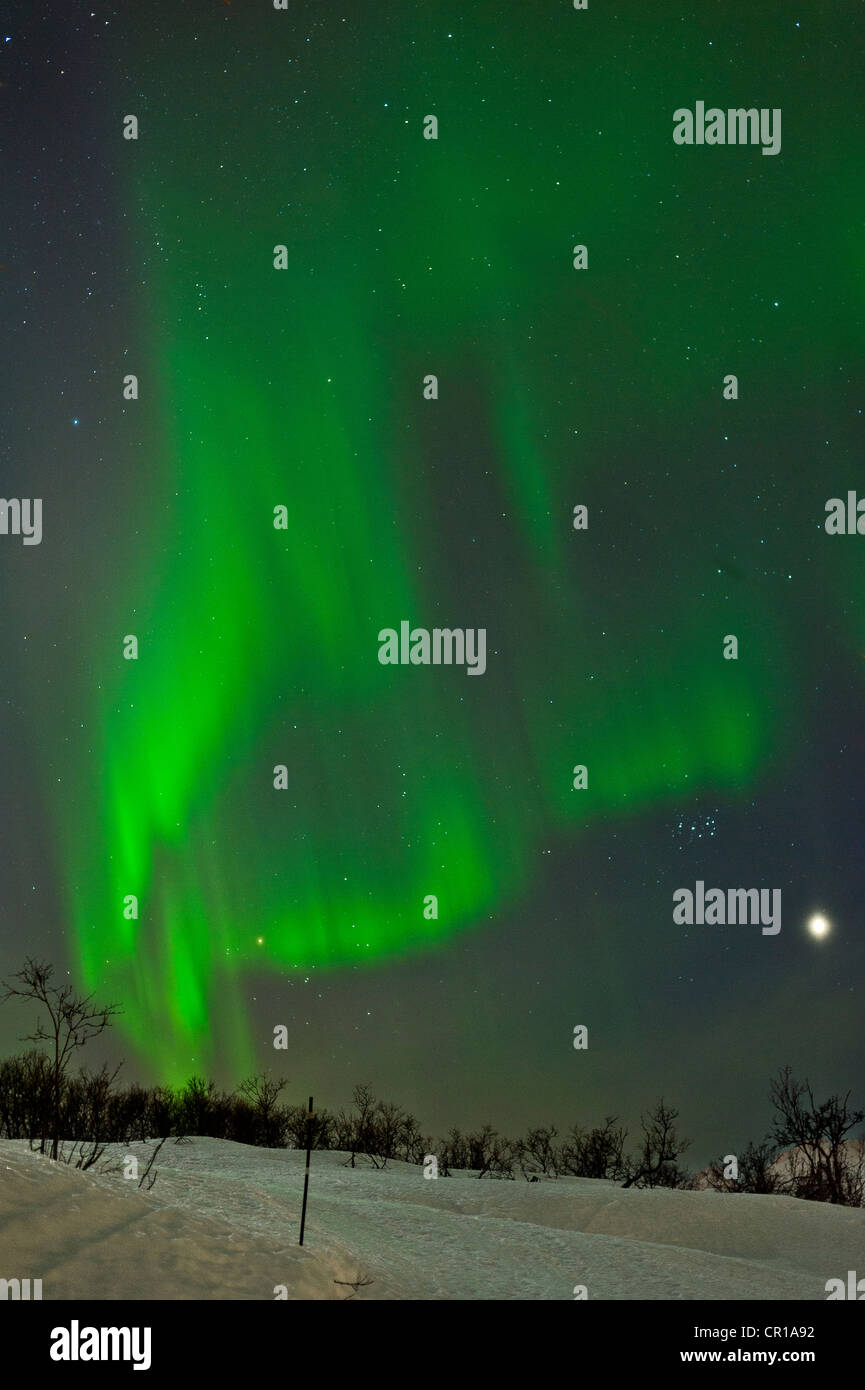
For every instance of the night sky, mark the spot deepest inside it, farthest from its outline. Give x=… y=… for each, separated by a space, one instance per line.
x=303 y=388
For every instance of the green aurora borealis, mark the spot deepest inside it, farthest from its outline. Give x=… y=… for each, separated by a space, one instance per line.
x=556 y=387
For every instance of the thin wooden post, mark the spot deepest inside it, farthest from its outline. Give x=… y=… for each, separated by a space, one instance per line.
x=306 y=1175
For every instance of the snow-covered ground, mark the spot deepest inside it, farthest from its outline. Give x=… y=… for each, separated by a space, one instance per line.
x=223 y=1219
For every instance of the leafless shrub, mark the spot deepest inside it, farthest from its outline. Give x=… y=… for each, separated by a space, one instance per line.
x=819 y=1165
x=655 y=1164
x=595 y=1153
x=72 y=1022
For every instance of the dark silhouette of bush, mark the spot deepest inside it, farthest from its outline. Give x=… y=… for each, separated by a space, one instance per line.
x=42 y=1101
x=655 y=1164
x=756 y=1173
x=536 y=1153
x=595 y=1153
x=452 y=1153
x=808 y=1153
x=271 y=1122
x=69 y=1022
x=322 y=1128
x=377 y=1130
x=485 y=1153
x=26 y=1096
x=819 y=1166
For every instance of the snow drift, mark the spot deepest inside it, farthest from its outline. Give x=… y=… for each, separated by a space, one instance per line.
x=222 y=1222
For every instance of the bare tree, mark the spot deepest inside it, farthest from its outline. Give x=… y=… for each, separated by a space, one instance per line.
x=454 y=1152
x=655 y=1164
x=414 y=1147
x=263 y=1095
x=72 y=1022
x=536 y=1153
x=756 y=1170
x=359 y=1133
x=490 y=1152
x=756 y=1167
x=322 y=1128
x=595 y=1153
x=819 y=1167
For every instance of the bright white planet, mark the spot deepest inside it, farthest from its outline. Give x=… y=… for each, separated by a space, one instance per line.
x=818 y=926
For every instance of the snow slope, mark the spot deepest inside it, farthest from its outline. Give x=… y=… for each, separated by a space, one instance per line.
x=222 y=1222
